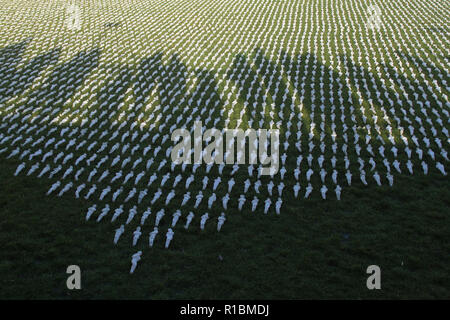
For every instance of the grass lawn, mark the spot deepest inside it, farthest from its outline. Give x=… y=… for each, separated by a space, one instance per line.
x=315 y=249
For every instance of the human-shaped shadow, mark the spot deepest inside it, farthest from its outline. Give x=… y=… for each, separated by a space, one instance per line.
x=65 y=80
x=16 y=80
x=405 y=107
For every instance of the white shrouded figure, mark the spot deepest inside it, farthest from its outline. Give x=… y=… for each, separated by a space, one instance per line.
x=445 y=154
x=320 y=160
x=199 y=198
x=254 y=203
x=54 y=187
x=257 y=185
x=169 y=237
x=296 y=173
x=104 y=175
x=230 y=184
x=177 y=179
x=203 y=221
x=175 y=218
x=431 y=153
x=235 y=166
x=145 y=215
x=116 y=194
x=220 y=221
x=65 y=189
x=425 y=167
x=241 y=202
x=136 y=235
x=119 y=232
x=186 y=198
x=323 y=173
x=91 y=210
x=189 y=219
x=348 y=176
x=323 y=191
x=377 y=178
x=152 y=178
x=282 y=172
x=159 y=216
x=280 y=189
x=309 y=189
x=164 y=179
x=189 y=180
x=296 y=189
x=270 y=187
x=390 y=178
x=117 y=213
x=152 y=236
x=134 y=260
x=338 y=192
x=90 y=192
x=267 y=204
x=225 y=200
x=409 y=165
x=156 y=196
x=15 y=153
x=216 y=183
x=142 y=194
x=19 y=168
x=104 y=212
x=45 y=170
x=170 y=196
x=278 y=205
x=363 y=178
x=104 y=193
x=309 y=174
x=131 y=214
x=250 y=170
x=246 y=185
x=334 y=176
x=396 y=165
x=441 y=168
x=35 y=167
x=333 y=161
x=211 y=200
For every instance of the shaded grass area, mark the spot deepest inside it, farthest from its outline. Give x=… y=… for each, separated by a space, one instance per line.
x=314 y=249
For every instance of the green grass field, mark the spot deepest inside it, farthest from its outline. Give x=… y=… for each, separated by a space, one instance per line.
x=318 y=249
x=86 y=83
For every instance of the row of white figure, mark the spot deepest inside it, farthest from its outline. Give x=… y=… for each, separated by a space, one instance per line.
x=159 y=215
x=198 y=198
x=231 y=182
x=137 y=233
